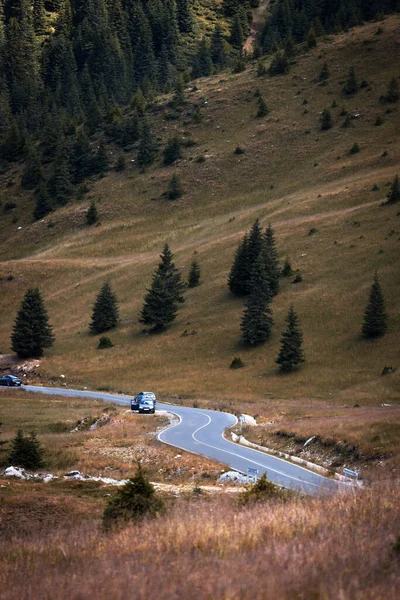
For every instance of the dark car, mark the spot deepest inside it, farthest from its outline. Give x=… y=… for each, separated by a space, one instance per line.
x=10 y=380
x=142 y=396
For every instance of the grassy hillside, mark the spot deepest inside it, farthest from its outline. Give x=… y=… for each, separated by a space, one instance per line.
x=292 y=175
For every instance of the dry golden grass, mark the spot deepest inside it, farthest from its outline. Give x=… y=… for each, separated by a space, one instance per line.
x=291 y=174
x=337 y=547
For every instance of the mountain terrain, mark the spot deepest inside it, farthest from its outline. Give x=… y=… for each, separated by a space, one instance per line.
x=325 y=203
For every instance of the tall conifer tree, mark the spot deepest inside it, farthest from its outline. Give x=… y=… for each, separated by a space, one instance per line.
x=257 y=319
x=105 y=310
x=375 y=317
x=291 y=352
x=31 y=332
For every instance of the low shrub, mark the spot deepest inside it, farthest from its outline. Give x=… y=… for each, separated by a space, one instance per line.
x=261 y=491
x=104 y=342
x=134 y=501
x=236 y=363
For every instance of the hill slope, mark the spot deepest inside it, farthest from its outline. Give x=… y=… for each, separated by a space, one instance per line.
x=293 y=175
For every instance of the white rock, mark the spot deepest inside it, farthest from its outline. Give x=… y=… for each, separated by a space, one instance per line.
x=16 y=472
x=247 y=420
x=233 y=477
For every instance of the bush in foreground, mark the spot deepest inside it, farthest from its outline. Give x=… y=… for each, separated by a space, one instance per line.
x=261 y=491
x=134 y=501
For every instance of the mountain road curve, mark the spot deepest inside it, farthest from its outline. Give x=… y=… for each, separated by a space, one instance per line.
x=202 y=432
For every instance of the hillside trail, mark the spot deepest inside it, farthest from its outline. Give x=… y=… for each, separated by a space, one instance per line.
x=114 y=264
x=257 y=21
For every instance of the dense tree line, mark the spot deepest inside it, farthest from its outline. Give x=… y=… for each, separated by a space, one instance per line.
x=298 y=18
x=72 y=70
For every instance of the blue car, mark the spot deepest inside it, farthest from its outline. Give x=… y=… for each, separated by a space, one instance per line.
x=10 y=381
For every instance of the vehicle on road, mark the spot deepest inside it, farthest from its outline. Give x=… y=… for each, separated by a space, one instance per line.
x=10 y=380
x=147 y=406
x=142 y=396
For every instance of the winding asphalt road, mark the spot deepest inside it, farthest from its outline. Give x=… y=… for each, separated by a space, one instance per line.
x=201 y=431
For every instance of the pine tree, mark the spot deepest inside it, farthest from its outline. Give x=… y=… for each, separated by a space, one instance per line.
x=351 y=86
x=291 y=353
x=279 y=65
x=324 y=74
x=179 y=96
x=100 y=159
x=31 y=332
x=394 y=193
x=375 y=317
x=218 y=52
x=254 y=248
x=290 y=48
x=33 y=170
x=239 y=273
x=133 y=501
x=172 y=151
x=25 y=451
x=202 y=64
x=161 y=300
x=146 y=150
x=392 y=94
x=326 y=120
x=257 y=320
x=194 y=274
x=60 y=184
x=105 y=310
x=169 y=273
x=81 y=157
x=92 y=216
x=175 y=189
x=311 y=39
x=121 y=163
x=39 y=17
x=236 y=37
x=263 y=109
x=42 y=204
x=185 y=15
x=271 y=258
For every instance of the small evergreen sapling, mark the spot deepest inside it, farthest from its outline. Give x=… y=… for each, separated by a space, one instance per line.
x=326 y=120
x=91 y=216
x=263 y=109
x=311 y=39
x=194 y=274
x=351 y=86
x=172 y=151
x=104 y=342
x=291 y=353
x=394 y=192
x=375 y=317
x=324 y=74
x=236 y=363
x=392 y=94
x=175 y=189
x=105 y=310
x=134 y=501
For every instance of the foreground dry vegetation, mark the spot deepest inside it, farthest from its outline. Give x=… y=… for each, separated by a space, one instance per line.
x=111 y=450
x=341 y=547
